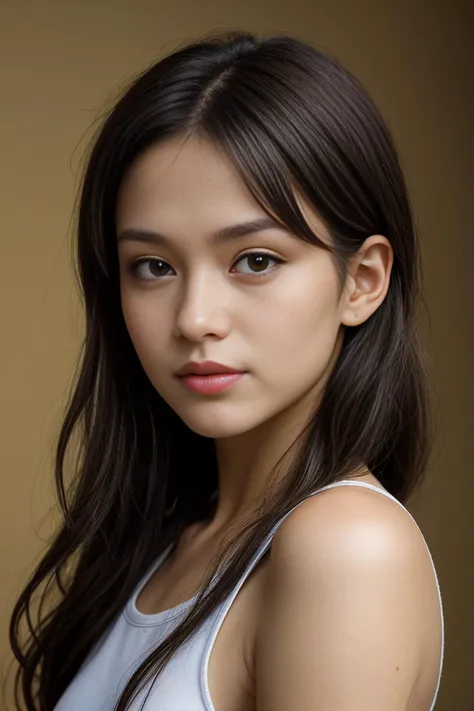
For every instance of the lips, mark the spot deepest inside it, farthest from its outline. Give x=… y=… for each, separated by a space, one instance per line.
x=207 y=367
x=210 y=384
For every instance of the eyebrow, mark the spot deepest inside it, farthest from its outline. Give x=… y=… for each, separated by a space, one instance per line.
x=226 y=234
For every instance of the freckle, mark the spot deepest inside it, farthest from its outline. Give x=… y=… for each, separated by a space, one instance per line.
x=397 y=668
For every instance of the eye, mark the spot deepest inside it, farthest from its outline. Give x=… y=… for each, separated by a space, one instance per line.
x=259 y=259
x=155 y=267
x=158 y=267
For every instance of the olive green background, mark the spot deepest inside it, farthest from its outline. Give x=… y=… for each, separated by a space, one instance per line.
x=61 y=63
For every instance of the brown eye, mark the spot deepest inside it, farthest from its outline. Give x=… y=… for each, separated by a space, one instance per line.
x=258 y=262
x=152 y=269
x=156 y=267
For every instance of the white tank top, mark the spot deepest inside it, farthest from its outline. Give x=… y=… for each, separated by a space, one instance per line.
x=182 y=685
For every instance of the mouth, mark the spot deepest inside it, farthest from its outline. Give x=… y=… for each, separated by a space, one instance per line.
x=208 y=367
x=210 y=383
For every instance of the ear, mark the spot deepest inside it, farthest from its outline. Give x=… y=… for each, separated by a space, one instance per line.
x=367 y=281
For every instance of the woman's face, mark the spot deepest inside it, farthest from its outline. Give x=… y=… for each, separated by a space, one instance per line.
x=277 y=317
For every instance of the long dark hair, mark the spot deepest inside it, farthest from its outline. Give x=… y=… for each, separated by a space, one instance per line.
x=288 y=116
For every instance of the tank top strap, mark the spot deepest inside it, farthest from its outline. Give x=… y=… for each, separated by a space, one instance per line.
x=262 y=549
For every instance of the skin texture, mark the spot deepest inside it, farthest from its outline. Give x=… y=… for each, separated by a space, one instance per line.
x=283 y=327
x=350 y=618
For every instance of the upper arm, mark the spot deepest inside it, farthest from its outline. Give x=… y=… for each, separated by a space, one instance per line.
x=342 y=622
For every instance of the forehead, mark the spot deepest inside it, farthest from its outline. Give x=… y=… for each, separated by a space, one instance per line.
x=180 y=184
x=177 y=173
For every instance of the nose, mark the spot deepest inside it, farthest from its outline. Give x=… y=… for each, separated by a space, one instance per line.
x=201 y=312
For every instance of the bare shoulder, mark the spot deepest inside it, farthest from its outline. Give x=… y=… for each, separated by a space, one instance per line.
x=351 y=612
x=350 y=520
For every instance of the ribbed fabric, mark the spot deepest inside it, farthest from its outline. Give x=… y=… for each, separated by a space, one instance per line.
x=182 y=686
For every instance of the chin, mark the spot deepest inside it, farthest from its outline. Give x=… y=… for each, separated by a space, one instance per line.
x=215 y=431
x=218 y=426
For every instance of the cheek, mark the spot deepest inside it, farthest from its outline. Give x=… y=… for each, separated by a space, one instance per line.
x=297 y=334
x=300 y=317
x=146 y=327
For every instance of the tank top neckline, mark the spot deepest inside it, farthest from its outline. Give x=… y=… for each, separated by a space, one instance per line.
x=141 y=619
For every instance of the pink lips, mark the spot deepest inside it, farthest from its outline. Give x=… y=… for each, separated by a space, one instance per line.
x=210 y=384
x=206 y=367
x=208 y=377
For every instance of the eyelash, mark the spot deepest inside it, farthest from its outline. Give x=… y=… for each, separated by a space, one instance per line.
x=143 y=260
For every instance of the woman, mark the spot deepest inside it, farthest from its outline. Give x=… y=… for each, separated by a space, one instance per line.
x=251 y=405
